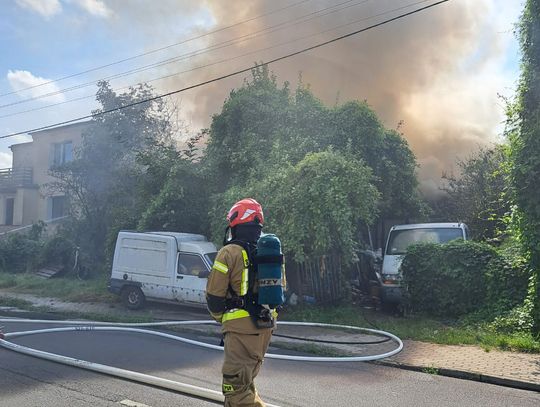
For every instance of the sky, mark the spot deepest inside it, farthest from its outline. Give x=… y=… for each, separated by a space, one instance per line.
x=438 y=75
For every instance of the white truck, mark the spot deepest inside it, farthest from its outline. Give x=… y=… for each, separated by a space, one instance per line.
x=161 y=266
x=399 y=239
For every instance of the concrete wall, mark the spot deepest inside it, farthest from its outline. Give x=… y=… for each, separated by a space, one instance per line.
x=23 y=155
x=30 y=198
x=42 y=145
x=31 y=204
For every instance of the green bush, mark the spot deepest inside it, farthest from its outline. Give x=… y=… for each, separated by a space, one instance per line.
x=57 y=251
x=459 y=277
x=19 y=253
x=446 y=280
x=507 y=277
x=518 y=319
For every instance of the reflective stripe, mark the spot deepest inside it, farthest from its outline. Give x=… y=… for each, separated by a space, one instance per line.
x=245 y=274
x=220 y=267
x=236 y=314
x=244 y=283
x=246 y=258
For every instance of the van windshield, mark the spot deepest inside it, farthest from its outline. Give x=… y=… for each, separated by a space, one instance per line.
x=210 y=257
x=399 y=240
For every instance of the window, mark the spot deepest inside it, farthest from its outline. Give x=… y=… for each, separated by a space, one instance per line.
x=10 y=205
x=61 y=153
x=57 y=207
x=211 y=257
x=401 y=239
x=190 y=264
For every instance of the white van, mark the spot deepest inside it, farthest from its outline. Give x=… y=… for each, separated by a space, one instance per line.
x=399 y=239
x=161 y=266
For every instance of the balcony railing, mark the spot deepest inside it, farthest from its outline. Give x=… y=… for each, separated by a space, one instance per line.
x=15 y=177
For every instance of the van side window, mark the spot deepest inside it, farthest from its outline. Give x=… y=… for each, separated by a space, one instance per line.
x=190 y=264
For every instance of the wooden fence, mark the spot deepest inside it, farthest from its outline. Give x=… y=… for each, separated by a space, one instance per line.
x=317 y=280
x=325 y=280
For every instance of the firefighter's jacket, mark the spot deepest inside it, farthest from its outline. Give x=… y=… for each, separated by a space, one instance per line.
x=231 y=268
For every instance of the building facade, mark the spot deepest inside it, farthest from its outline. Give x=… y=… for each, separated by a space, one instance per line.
x=23 y=195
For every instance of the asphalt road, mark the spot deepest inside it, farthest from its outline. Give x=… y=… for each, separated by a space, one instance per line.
x=27 y=381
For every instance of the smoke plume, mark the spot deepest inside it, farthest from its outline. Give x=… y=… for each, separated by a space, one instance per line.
x=435 y=71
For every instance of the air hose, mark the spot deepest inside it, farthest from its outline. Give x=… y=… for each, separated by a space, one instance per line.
x=212 y=395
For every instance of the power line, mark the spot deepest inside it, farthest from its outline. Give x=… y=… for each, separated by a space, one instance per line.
x=181 y=57
x=196 y=53
x=159 y=49
x=227 y=59
x=227 y=75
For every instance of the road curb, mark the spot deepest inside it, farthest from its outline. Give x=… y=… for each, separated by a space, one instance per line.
x=461 y=374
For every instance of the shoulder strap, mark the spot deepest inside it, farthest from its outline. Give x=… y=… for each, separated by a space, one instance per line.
x=251 y=253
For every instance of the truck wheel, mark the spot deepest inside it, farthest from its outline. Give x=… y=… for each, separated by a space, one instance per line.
x=133 y=297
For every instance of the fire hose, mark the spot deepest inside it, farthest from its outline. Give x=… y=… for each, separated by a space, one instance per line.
x=208 y=394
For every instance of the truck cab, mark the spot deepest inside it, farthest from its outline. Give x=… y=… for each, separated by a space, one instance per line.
x=161 y=266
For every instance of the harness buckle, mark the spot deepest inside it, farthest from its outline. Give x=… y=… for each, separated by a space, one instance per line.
x=234 y=302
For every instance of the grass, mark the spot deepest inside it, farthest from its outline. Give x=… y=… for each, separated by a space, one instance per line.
x=105 y=317
x=418 y=327
x=21 y=304
x=65 y=288
x=15 y=303
x=431 y=370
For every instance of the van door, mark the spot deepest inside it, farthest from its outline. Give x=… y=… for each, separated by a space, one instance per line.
x=189 y=286
x=148 y=260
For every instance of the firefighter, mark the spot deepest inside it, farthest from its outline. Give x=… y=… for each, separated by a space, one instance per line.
x=247 y=328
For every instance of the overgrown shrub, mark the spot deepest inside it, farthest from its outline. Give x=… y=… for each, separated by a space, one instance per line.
x=518 y=319
x=22 y=252
x=507 y=278
x=461 y=277
x=448 y=279
x=57 y=251
x=19 y=253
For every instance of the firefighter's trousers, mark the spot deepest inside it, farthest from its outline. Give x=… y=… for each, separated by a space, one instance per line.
x=244 y=354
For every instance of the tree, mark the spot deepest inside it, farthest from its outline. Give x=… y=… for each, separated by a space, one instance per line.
x=479 y=196
x=242 y=135
x=103 y=180
x=263 y=127
x=525 y=146
x=359 y=131
x=180 y=203
x=315 y=206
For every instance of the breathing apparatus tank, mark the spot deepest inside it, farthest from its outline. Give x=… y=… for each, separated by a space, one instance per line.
x=269 y=261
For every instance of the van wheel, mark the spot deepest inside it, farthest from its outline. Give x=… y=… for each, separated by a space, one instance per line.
x=133 y=297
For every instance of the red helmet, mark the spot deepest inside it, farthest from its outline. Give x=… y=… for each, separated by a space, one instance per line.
x=245 y=211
